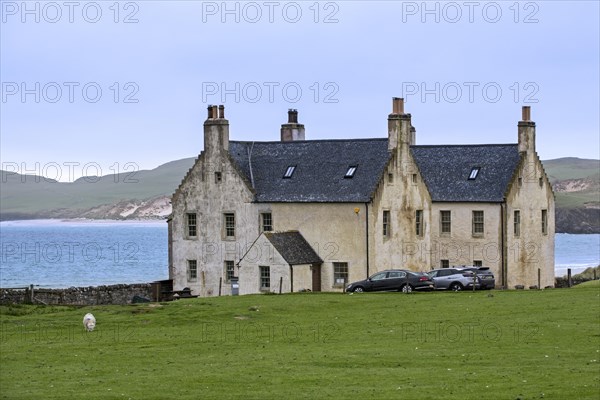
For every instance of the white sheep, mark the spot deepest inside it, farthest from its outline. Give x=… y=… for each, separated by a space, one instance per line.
x=89 y=322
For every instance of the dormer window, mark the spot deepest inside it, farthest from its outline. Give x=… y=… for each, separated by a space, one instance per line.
x=289 y=171
x=474 y=173
x=350 y=172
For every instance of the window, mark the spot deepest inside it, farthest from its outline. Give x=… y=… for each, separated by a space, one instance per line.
x=414 y=178
x=192 y=270
x=218 y=177
x=340 y=273
x=445 y=221
x=229 y=224
x=289 y=171
x=266 y=222
x=545 y=222
x=396 y=274
x=445 y=263
x=474 y=173
x=419 y=222
x=390 y=177
x=379 y=276
x=477 y=263
x=446 y=272
x=386 y=223
x=520 y=181
x=229 y=270
x=191 y=224
x=478 y=227
x=517 y=223
x=541 y=181
x=350 y=172
x=265 y=278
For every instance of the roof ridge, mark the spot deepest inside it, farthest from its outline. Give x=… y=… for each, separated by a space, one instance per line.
x=310 y=141
x=465 y=145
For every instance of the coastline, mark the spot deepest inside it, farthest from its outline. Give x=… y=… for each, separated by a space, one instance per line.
x=82 y=221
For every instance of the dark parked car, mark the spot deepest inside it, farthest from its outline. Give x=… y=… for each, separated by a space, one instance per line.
x=453 y=279
x=393 y=280
x=485 y=275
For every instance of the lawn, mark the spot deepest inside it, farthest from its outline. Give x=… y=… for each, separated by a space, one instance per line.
x=494 y=345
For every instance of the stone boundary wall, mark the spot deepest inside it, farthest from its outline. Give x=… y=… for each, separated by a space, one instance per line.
x=85 y=296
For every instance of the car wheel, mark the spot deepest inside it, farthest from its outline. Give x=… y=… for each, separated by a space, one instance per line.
x=358 y=289
x=406 y=289
x=457 y=287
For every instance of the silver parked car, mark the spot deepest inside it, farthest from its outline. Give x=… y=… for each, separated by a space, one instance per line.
x=453 y=279
x=485 y=275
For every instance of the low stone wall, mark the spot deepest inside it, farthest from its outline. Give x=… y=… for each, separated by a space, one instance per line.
x=562 y=282
x=93 y=295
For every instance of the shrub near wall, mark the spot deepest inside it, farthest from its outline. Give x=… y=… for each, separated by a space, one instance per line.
x=93 y=295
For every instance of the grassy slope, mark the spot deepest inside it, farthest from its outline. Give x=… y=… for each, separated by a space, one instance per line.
x=570 y=168
x=588 y=284
x=574 y=168
x=517 y=344
x=33 y=196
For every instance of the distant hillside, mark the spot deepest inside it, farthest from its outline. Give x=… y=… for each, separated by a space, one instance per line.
x=146 y=194
x=576 y=184
x=571 y=168
x=29 y=196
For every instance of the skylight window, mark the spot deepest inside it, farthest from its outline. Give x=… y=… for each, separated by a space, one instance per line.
x=350 y=172
x=474 y=173
x=289 y=171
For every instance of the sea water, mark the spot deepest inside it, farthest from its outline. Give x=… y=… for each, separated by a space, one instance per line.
x=53 y=253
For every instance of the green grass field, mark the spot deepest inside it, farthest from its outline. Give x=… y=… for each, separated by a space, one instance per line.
x=492 y=345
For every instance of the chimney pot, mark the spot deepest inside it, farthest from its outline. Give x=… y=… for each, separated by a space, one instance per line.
x=221 y=111
x=292 y=130
x=214 y=112
x=526 y=111
x=292 y=116
x=398 y=105
x=209 y=111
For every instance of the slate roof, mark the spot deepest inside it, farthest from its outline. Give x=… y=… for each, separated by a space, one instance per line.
x=322 y=164
x=293 y=247
x=446 y=169
x=320 y=169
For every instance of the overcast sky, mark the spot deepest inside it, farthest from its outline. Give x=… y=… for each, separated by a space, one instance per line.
x=100 y=87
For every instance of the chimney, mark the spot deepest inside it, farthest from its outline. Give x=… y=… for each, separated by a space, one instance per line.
x=526 y=128
x=216 y=130
x=292 y=131
x=399 y=126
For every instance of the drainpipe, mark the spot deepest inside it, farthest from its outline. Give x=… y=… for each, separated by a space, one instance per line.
x=367 y=234
x=503 y=228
